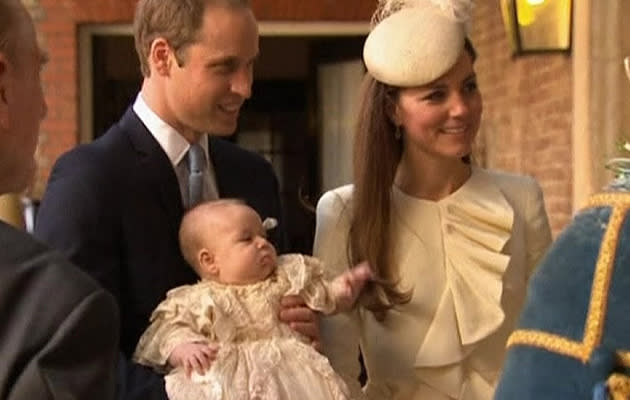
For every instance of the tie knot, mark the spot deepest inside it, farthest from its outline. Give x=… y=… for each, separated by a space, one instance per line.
x=196 y=157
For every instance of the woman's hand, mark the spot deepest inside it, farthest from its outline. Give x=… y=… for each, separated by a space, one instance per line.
x=301 y=319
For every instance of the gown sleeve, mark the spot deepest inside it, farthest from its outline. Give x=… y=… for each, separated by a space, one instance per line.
x=185 y=316
x=306 y=278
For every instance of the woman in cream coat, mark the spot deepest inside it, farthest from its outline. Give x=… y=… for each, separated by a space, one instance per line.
x=452 y=245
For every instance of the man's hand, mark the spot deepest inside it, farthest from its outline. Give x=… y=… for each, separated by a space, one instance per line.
x=194 y=356
x=301 y=319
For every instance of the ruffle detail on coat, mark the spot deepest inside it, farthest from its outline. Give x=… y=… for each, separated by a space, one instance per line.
x=476 y=225
x=475 y=233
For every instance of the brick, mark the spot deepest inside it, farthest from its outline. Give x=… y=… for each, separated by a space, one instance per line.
x=527 y=112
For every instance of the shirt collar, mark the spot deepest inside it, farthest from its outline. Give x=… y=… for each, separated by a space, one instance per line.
x=172 y=142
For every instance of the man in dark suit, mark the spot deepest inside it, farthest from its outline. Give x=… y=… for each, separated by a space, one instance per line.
x=58 y=329
x=114 y=206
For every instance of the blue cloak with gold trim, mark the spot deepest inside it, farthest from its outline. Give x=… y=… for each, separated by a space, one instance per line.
x=573 y=338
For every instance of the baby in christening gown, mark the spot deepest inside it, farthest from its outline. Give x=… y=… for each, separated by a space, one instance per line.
x=221 y=338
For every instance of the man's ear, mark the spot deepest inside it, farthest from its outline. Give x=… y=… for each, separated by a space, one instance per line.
x=161 y=56
x=4 y=89
x=207 y=261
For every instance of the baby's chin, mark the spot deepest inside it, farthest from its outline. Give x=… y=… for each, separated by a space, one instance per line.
x=268 y=267
x=265 y=273
x=268 y=261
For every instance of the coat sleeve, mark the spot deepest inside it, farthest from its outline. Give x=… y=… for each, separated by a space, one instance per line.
x=538 y=230
x=340 y=333
x=78 y=361
x=75 y=218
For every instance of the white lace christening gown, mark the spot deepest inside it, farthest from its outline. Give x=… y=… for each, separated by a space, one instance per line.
x=260 y=357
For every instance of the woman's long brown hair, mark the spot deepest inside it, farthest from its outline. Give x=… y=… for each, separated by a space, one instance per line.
x=377 y=153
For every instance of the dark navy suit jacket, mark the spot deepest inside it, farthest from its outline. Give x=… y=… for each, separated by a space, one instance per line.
x=114 y=208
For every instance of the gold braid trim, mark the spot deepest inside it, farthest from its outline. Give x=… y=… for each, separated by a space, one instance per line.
x=548 y=341
x=594 y=325
x=612 y=199
x=619 y=386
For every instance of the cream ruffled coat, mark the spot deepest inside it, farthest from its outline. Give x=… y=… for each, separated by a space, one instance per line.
x=260 y=357
x=468 y=258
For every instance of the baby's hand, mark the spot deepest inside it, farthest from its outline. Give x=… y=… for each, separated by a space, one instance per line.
x=347 y=286
x=194 y=356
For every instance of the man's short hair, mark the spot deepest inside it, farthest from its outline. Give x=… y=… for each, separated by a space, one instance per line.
x=177 y=21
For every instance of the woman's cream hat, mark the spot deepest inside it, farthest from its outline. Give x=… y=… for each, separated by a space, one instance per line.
x=415 y=42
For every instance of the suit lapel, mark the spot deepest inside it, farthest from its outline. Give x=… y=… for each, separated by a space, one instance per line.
x=157 y=170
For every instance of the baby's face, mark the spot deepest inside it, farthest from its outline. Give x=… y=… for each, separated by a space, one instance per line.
x=241 y=250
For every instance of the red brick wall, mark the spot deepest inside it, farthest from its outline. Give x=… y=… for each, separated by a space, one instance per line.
x=526 y=124
x=57 y=22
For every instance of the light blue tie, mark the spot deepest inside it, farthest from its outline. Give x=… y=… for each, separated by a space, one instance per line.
x=196 y=166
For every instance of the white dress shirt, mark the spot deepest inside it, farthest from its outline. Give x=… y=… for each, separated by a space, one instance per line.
x=176 y=147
